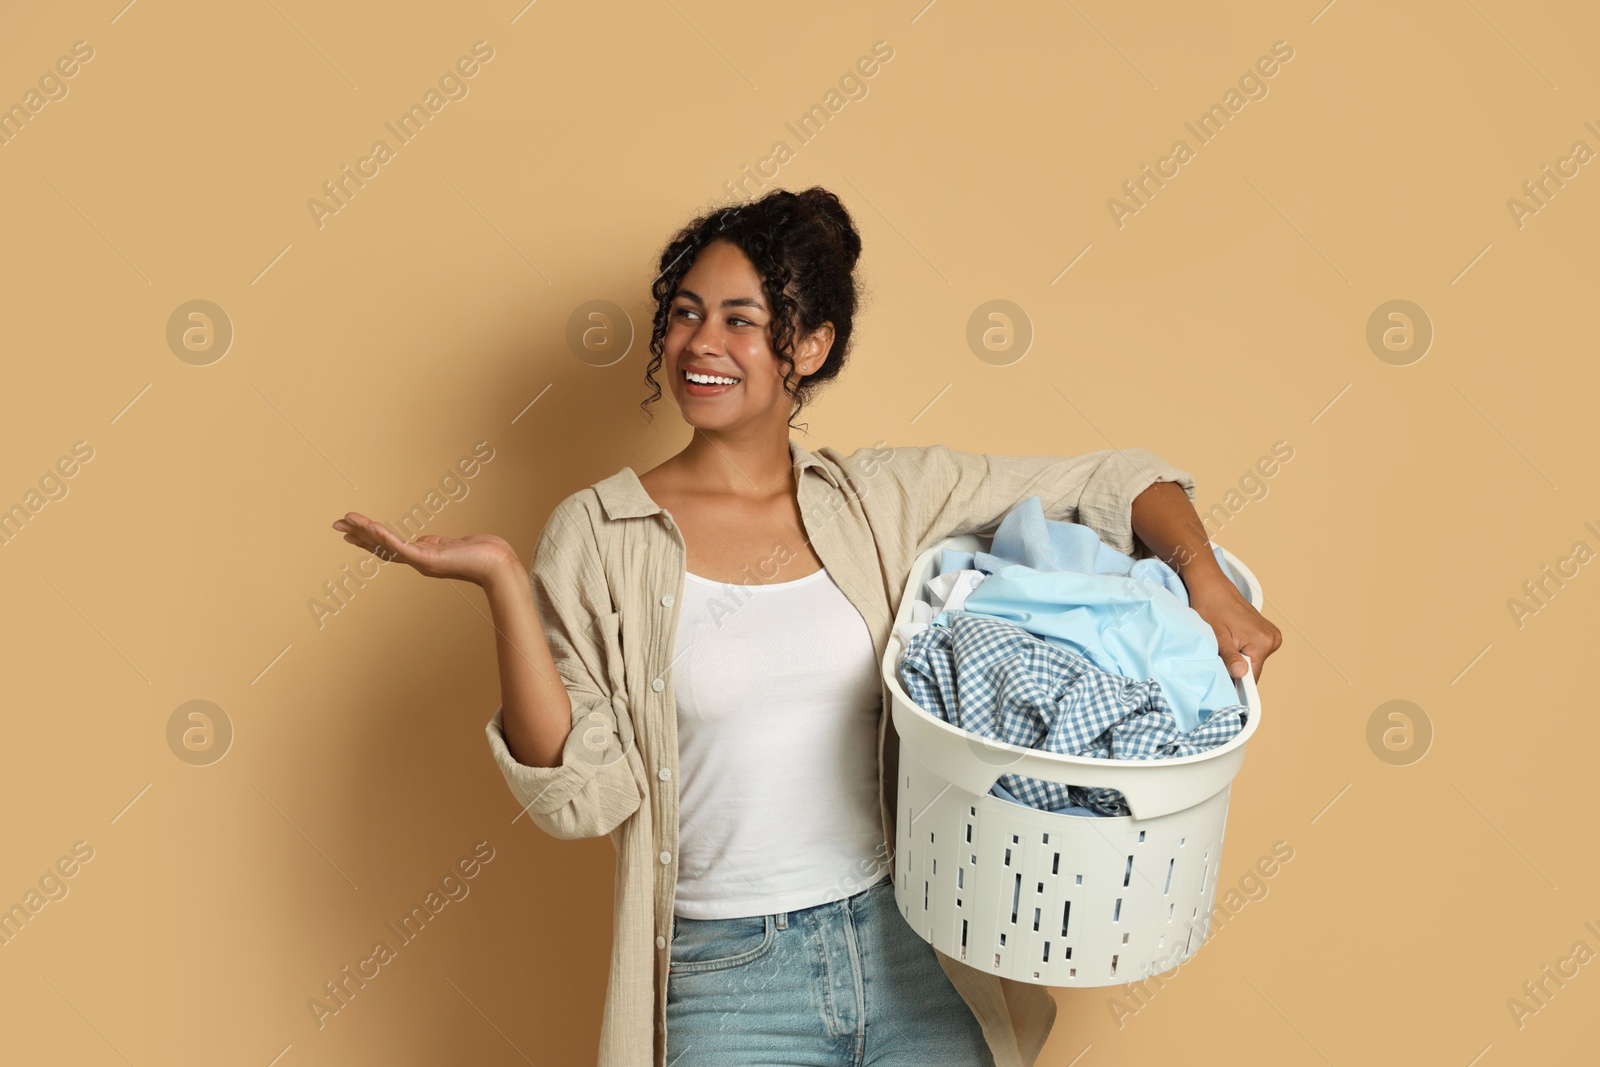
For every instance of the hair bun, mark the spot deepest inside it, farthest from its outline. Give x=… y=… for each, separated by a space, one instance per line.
x=828 y=207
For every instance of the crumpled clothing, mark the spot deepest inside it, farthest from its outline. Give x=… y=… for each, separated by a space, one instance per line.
x=1113 y=801
x=1124 y=625
x=1059 y=581
x=995 y=680
x=1025 y=536
x=946 y=591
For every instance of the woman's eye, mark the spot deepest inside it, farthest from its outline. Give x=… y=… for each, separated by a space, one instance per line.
x=685 y=312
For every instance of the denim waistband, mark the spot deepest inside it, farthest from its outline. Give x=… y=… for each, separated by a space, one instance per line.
x=853 y=901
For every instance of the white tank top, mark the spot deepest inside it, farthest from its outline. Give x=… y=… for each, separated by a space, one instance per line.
x=778 y=695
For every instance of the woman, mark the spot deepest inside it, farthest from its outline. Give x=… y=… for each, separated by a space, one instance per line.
x=691 y=666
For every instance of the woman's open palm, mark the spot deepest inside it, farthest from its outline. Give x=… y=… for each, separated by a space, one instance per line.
x=474 y=558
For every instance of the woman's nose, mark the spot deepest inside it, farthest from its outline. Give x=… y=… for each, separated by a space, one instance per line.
x=706 y=340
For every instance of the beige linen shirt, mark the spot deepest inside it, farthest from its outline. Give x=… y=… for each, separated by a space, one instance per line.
x=607 y=576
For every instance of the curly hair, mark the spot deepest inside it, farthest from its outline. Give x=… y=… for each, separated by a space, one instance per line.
x=804 y=247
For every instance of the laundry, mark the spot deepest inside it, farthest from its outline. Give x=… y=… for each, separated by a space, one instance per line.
x=1059 y=581
x=996 y=680
x=1077 y=801
x=946 y=591
x=1025 y=536
x=1125 y=626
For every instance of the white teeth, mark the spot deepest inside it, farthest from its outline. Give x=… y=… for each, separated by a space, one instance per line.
x=708 y=379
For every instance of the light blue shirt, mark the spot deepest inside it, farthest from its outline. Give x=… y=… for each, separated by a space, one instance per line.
x=1025 y=536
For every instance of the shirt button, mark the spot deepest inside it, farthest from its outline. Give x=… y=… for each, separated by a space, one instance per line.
x=658 y=685
x=666 y=857
x=661 y=942
x=668 y=520
x=664 y=773
x=666 y=601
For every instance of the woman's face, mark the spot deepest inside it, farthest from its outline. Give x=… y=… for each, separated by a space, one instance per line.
x=719 y=324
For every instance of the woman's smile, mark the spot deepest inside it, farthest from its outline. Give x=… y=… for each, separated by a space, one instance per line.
x=709 y=384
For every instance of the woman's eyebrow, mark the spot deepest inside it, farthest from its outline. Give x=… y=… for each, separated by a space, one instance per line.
x=731 y=302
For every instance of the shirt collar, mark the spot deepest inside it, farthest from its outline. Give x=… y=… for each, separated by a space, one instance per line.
x=624 y=497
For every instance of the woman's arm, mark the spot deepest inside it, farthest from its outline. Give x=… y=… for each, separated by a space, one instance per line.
x=1165 y=520
x=932 y=491
x=536 y=709
x=573 y=780
x=1130 y=497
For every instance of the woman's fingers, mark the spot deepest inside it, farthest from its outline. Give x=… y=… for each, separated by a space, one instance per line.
x=374 y=537
x=1235 y=662
x=1241 y=631
x=1259 y=644
x=1248 y=658
x=393 y=547
x=351 y=520
x=474 y=558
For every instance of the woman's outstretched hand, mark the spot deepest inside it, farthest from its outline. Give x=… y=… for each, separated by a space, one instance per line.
x=537 y=709
x=477 y=558
x=1241 y=630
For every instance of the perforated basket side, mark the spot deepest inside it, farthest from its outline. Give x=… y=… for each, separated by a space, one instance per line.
x=1051 y=899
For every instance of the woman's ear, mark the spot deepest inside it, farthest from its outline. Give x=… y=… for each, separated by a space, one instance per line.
x=814 y=350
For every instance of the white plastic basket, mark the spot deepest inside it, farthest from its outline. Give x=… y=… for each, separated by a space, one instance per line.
x=1057 y=900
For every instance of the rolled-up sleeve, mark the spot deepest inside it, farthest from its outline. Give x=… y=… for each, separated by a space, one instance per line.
x=596 y=786
x=951 y=493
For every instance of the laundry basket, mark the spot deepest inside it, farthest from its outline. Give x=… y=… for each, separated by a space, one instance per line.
x=1057 y=900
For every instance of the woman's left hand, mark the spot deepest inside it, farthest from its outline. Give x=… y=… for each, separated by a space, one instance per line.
x=1241 y=630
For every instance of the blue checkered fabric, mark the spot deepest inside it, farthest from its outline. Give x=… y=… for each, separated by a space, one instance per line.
x=996 y=680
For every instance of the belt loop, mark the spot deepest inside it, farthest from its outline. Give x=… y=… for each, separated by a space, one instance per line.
x=783 y=920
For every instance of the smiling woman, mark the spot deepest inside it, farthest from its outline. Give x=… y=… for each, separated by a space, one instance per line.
x=787 y=263
x=742 y=761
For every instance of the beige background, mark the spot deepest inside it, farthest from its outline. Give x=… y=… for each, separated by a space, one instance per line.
x=1227 y=314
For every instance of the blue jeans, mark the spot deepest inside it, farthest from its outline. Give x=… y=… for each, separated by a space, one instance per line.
x=842 y=984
